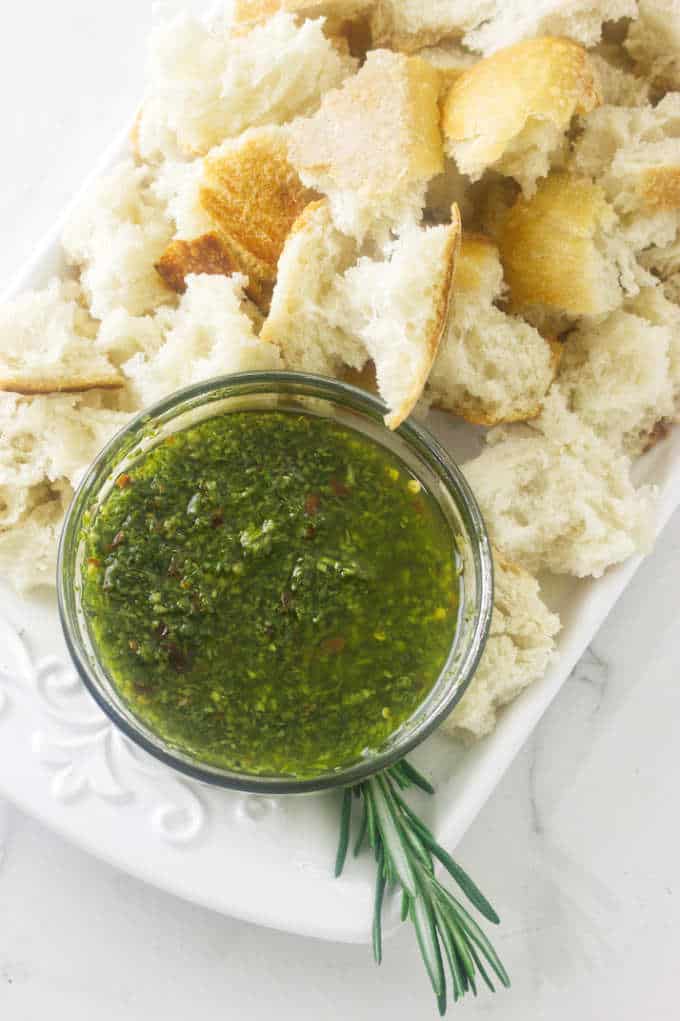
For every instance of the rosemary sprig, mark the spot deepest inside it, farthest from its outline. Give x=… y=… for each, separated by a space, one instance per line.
x=404 y=850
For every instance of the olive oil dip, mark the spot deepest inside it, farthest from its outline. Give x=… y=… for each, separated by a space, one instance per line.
x=271 y=592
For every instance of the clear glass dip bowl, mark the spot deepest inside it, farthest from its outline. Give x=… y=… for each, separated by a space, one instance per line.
x=355 y=409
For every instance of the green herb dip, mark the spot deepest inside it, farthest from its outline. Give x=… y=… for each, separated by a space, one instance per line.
x=271 y=592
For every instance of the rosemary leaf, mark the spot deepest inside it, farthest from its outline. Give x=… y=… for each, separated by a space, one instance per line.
x=377 y=909
x=362 y=831
x=345 y=820
x=416 y=778
x=426 y=932
x=392 y=834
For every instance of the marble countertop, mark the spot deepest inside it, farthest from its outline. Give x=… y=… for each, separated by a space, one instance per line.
x=579 y=844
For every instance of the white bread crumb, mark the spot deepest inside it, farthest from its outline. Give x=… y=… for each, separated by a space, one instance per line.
x=557 y=498
x=115 y=237
x=206 y=85
x=515 y=20
x=520 y=646
x=653 y=41
x=616 y=376
x=619 y=84
x=208 y=335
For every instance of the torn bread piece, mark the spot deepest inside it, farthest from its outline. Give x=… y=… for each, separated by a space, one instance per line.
x=46 y=345
x=208 y=335
x=336 y=12
x=307 y=318
x=555 y=497
x=250 y=196
x=331 y=312
x=634 y=154
x=511 y=21
x=654 y=305
x=491 y=367
x=544 y=83
x=562 y=250
x=520 y=646
x=46 y=445
x=653 y=41
x=409 y=25
x=206 y=85
x=615 y=375
x=449 y=59
x=399 y=308
x=618 y=82
x=115 y=238
x=374 y=144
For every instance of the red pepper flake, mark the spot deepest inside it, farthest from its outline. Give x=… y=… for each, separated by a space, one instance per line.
x=123 y=481
x=310 y=532
x=312 y=504
x=333 y=645
x=339 y=488
x=218 y=518
x=178 y=659
x=286 y=600
x=94 y=562
x=418 y=506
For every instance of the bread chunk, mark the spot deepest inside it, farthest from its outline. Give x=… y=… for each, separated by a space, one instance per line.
x=555 y=497
x=408 y=25
x=491 y=367
x=250 y=196
x=562 y=250
x=330 y=311
x=374 y=144
x=544 y=83
x=618 y=83
x=616 y=376
x=46 y=445
x=654 y=305
x=115 y=238
x=450 y=59
x=634 y=152
x=46 y=345
x=514 y=20
x=208 y=335
x=206 y=85
x=307 y=319
x=653 y=41
x=518 y=651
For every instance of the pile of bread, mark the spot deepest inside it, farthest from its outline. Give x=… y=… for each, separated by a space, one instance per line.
x=470 y=205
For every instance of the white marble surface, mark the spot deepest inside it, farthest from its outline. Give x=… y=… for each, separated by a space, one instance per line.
x=579 y=845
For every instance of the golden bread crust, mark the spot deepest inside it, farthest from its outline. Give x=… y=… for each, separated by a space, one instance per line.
x=549 y=79
x=59 y=384
x=547 y=245
x=441 y=306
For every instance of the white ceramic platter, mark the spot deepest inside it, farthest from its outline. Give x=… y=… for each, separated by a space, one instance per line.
x=265 y=860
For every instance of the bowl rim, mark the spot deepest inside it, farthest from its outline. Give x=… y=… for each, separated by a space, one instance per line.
x=419 y=438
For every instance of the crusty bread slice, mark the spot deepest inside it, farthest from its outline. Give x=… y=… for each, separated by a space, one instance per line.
x=544 y=83
x=115 y=237
x=562 y=249
x=514 y=20
x=330 y=311
x=206 y=85
x=399 y=308
x=307 y=319
x=618 y=82
x=519 y=648
x=208 y=335
x=653 y=41
x=615 y=375
x=251 y=196
x=555 y=497
x=374 y=144
x=491 y=367
x=46 y=346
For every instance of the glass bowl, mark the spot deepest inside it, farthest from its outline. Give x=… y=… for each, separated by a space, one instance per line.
x=355 y=409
